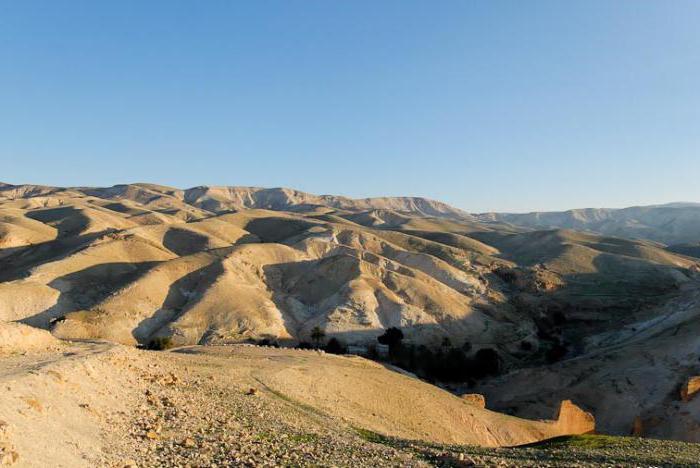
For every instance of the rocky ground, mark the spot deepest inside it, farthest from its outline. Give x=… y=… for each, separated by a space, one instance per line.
x=188 y=418
x=103 y=405
x=195 y=422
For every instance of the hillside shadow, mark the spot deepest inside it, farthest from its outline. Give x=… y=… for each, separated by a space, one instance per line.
x=96 y=283
x=69 y=221
x=182 y=294
x=277 y=229
x=16 y=261
x=184 y=242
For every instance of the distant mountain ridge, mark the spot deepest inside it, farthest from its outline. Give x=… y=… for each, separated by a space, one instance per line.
x=219 y=199
x=670 y=224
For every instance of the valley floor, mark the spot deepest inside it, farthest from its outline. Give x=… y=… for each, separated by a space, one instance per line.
x=98 y=404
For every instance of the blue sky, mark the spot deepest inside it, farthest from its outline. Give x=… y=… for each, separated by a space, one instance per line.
x=487 y=105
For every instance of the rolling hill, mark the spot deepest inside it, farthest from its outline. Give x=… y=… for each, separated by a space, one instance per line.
x=135 y=264
x=673 y=223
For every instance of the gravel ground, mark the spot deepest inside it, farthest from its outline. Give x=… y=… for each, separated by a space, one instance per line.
x=573 y=451
x=199 y=421
x=191 y=415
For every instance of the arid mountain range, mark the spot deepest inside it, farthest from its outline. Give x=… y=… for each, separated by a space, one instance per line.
x=221 y=265
x=670 y=224
x=205 y=265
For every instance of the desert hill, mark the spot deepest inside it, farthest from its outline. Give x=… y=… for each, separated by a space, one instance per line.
x=673 y=223
x=100 y=404
x=632 y=375
x=209 y=265
x=138 y=264
x=203 y=200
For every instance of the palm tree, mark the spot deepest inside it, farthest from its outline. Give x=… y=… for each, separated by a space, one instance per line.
x=317 y=335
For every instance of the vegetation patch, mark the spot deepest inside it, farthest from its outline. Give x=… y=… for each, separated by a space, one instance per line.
x=161 y=343
x=585 y=441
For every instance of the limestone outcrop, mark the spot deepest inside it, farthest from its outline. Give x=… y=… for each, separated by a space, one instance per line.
x=690 y=388
x=476 y=399
x=574 y=420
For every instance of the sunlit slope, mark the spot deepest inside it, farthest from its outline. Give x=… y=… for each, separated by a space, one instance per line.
x=672 y=223
x=132 y=263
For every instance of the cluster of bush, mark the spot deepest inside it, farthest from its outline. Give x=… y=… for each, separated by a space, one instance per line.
x=448 y=363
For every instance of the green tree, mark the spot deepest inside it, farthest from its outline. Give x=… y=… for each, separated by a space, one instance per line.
x=391 y=337
x=317 y=335
x=335 y=347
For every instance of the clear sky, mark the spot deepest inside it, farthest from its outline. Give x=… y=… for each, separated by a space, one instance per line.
x=487 y=105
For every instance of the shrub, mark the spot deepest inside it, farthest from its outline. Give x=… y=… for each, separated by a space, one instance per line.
x=372 y=352
x=487 y=362
x=558 y=318
x=304 y=345
x=392 y=337
x=268 y=342
x=335 y=347
x=160 y=343
x=317 y=335
x=556 y=353
x=507 y=275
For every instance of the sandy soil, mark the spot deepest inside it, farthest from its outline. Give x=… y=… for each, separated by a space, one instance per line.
x=100 y=404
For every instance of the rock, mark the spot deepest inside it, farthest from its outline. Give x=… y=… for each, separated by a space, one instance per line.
x=690 y=388
x=251 y=391
x=189 y=443
x=574 y=420
x=638 y=427
x=169 y=380
x=9 y=457
x=476 y=399
x=34 y=404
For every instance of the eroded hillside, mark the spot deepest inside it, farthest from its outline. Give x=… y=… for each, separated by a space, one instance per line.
x=135 y=264
x=210 y=265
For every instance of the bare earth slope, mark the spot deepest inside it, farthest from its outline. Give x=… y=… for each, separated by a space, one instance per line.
x=133 y=264
x=630 y=377
x=674 y=223
x=97 y=404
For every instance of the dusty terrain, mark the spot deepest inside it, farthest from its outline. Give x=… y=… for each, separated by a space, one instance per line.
x=632 y=376
x=672 y=223
x=100 y=404
x=135 y=264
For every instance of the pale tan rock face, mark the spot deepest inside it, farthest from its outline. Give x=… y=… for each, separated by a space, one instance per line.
x=17 y=338
x=132 y=263
x=690 y=388
x=574 y=420
x=475 y=399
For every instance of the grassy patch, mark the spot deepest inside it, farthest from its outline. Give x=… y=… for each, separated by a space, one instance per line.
x=267 y=436
x=304 y=438
x=299 y=405
x=371 y=436
x=586 y=441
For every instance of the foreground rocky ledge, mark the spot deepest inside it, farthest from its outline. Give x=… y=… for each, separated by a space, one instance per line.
x=98 y=404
